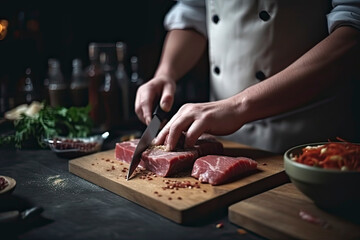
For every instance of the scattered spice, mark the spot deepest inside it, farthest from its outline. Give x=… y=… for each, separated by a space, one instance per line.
x=241 y=231
x=179 y=198
x=56 y=181
x=219 y=225
x=313 y=219
x=173 y=184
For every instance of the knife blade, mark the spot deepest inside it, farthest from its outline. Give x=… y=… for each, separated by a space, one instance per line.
x=145 y=141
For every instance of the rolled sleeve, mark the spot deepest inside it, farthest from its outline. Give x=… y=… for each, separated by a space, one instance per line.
x=344 y=13
x=187 y=14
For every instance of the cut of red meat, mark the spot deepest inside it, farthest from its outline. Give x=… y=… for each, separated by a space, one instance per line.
x=208 y=145
x=125 y=150
x=165 y=163
x=217 y=170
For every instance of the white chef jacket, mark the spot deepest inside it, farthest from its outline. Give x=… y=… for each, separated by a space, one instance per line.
x=252 y=40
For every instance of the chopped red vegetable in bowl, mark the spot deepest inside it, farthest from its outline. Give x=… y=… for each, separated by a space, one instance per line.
x=326 y=172
x=333 y=155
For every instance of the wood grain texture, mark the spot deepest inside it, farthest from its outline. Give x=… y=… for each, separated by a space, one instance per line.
x=195 y=204
x=275 y=215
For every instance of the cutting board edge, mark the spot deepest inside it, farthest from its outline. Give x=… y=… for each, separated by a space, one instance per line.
x=241 y=214
x=232 y=197
x=251 y=225
x=164 y=210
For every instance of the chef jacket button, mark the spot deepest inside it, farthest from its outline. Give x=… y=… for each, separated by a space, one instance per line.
x=264 y=15
x=215 y=19
x=260 y=75
x=217 y=70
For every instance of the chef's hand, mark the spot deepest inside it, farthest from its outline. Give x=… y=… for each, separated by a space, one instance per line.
x=160 y=87
x=216 y=118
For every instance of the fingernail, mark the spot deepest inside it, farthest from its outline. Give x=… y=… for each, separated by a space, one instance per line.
x=164 y=106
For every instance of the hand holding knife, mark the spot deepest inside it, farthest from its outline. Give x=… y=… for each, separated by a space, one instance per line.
x=145 y=141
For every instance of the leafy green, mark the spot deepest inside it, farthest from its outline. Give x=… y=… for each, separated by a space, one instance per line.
x=50 y=122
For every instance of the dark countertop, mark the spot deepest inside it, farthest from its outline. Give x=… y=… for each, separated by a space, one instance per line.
x=77 y=209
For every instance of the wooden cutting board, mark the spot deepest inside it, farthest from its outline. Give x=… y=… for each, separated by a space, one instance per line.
x=182 y=205
x=275 y=214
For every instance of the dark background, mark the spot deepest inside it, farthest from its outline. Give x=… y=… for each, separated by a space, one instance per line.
x=39 y=30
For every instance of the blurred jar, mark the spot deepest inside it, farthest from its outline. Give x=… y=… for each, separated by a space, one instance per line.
x=95 y=76
x=4 y=95
x=79 y=86
x=25 y=89
x=123 y=80
x=110 y=94
x=135 y=82
x=45 y=90
x=58 y=89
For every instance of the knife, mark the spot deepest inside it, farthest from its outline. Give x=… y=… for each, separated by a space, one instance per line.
x=145 y=141
x=15 y=215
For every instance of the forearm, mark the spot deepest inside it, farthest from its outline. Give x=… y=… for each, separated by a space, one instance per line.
x=182 y=50
x=316 y=74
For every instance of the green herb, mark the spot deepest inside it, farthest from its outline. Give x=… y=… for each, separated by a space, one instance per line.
x=50 y=122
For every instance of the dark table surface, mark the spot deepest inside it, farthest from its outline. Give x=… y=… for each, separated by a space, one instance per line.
x=74 y=208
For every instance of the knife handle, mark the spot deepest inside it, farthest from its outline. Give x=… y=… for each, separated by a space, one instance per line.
x=161 y=114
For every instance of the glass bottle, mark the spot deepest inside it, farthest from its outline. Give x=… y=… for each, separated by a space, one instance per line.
x=4 y=95
x=135 y=82
x=122 y=79
x=58 y=89
x=79 y=85
x=111 y=94
x=45 y=90
x=95 y=75
x=26 y=92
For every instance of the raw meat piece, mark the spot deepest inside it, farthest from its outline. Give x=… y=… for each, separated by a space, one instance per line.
x=125 y=150
x=217 y=170
x=168 y=163
x=165 y=163
x=208 y=145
